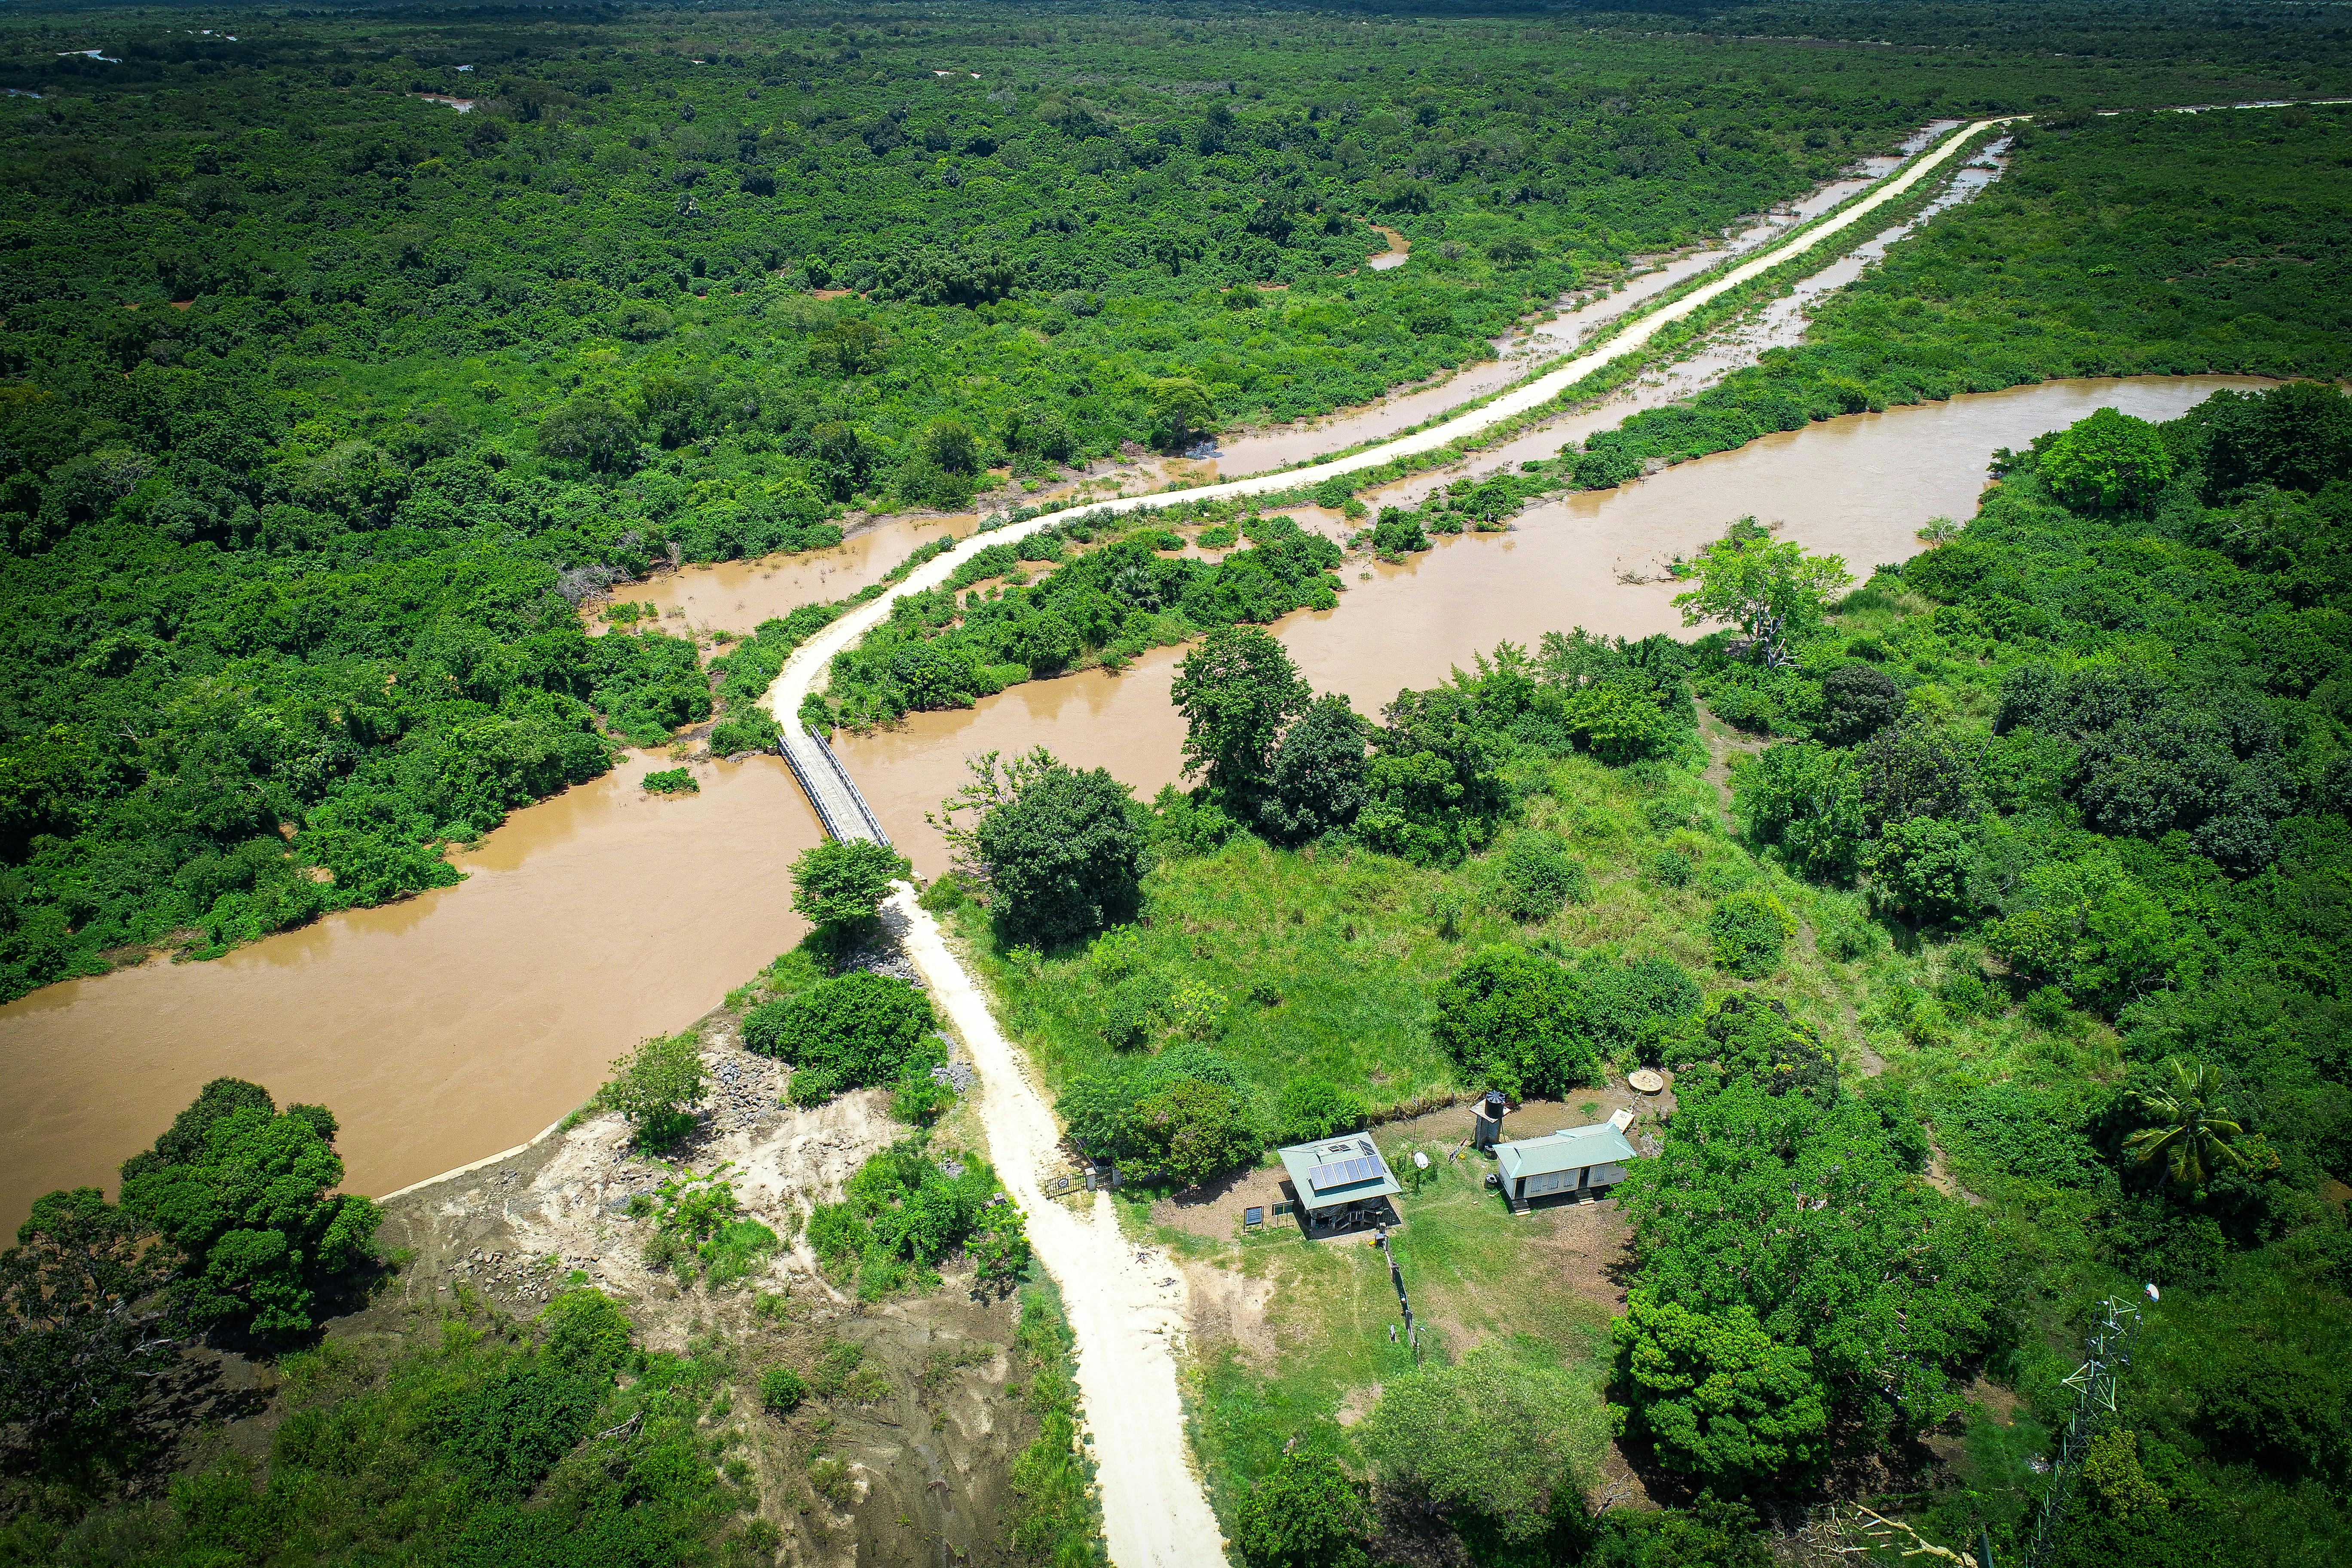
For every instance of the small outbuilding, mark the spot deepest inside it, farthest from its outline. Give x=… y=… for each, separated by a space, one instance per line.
x=1338 y=1184
x=1564 y=1164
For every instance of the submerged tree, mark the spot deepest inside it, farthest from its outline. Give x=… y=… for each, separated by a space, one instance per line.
x=1771 y=591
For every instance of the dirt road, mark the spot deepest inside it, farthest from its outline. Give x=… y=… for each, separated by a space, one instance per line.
x=1155 y=1511
x=1124 y=1319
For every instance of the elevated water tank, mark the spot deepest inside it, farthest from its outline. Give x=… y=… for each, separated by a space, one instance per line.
x=1486 y=1120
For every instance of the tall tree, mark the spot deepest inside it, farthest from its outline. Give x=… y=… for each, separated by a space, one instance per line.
x=252 y=1210
x=1237 y=690
x=82 y=1328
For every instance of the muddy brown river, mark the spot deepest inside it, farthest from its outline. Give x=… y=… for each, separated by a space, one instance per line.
x=453 y=1024
x=1859 y=487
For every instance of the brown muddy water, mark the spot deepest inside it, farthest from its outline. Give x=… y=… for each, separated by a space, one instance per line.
x=737 y=595
x=1518 y=353
x=442 y=1028
x=1859 y=487
x=453 y=1024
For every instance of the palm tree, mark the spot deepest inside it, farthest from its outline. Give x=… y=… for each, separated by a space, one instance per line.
x=2187 y=1126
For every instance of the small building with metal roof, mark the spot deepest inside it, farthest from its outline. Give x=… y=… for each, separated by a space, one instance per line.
x=1560 y=1164
x=1340 y=1181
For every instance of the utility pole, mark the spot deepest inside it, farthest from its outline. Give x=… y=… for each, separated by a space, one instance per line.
x=1396 y=1278
x=2106 y=1355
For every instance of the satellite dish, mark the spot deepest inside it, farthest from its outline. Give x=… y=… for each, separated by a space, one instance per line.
x=1422 y=1161
x=2152 y=1294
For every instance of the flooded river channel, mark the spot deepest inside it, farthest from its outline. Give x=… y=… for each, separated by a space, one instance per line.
x=1860 y=486
x=455 y=1024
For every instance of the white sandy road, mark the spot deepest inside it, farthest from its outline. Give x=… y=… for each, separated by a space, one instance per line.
x=1155 y=1512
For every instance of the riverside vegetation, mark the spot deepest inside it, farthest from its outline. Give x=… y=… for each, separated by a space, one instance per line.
x=327 y=406
x=2105 y=251
x=453 y=1432
x=2027 y=873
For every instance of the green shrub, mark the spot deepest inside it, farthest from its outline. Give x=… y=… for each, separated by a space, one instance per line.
x=700 y=1229
x=1311 y=1107
x=2107 y=462
x=1192 y=1131
x=917 y=1099
x=1514 y=1021
x=508 y=1431
x=1806 y=800
x=244 y=1195
x=672 y=780
x=748 y=728
x=1500 y=1434
x=1098 y=1107
x=781 y=1389
x=657 y=1087
x=1919 y=869
x=1305 y=1513
x=1539 y=878
x=854 y=1031
x=1749 y=931
x=999 y=1244
x=585 y=1333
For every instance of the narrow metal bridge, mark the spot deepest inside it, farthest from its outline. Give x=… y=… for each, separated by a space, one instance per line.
x=839 y=807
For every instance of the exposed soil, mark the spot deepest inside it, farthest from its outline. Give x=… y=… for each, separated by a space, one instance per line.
x=924 y=1426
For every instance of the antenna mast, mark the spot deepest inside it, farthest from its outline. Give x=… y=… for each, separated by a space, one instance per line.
x=2108 y=1353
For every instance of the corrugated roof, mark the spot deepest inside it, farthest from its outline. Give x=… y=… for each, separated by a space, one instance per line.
x=1337 y=1171
x=1571 y=1149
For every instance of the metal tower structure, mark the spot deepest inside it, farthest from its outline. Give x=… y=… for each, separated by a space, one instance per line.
x=2106 y=1355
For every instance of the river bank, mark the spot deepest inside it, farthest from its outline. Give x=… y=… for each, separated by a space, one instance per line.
x=1860 y=486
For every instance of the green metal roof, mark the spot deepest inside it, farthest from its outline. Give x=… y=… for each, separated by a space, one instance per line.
x=1337 y=1171
x=1571 y=1149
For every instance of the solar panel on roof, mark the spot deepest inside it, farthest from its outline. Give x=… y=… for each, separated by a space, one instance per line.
x=1344 y=1173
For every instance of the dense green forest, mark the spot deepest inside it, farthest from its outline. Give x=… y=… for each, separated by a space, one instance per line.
x=346 y=358
x=326 y=403
x=2038 y=881
x=2132 y=245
